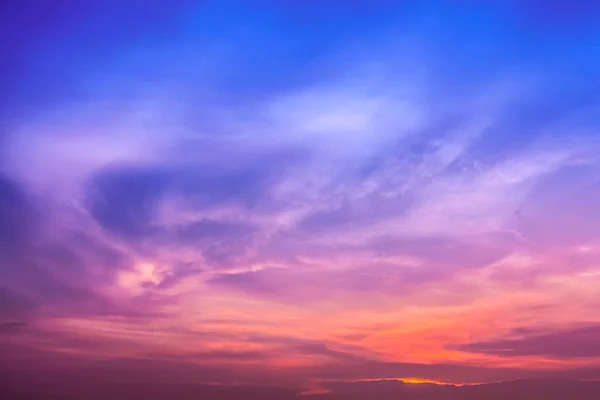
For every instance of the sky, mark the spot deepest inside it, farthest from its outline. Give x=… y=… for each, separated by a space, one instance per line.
x=301 y=194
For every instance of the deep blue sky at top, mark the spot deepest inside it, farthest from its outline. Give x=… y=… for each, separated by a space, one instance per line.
x=52 y=46
x=237 y=53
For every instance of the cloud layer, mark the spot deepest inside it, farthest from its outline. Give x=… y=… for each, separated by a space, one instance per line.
x=265 y=198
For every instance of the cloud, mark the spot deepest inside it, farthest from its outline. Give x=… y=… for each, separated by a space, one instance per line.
x=10 y=327
x=13 y=304
x=51 y=259
x=17 y=214
x=123 y=201
x=559 y=344
x=521 y=389
x=471 y=204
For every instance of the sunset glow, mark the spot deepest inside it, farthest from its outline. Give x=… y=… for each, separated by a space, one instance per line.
x=298 y=194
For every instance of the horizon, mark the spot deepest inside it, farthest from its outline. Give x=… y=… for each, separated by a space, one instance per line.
x=316 y=197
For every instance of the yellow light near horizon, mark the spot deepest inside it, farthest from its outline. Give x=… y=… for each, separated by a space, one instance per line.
x=417 y=381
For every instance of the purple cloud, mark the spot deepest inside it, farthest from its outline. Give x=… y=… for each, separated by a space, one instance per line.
x=560 y=344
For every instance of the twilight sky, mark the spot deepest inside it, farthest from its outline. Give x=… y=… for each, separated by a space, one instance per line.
x=299 y=192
